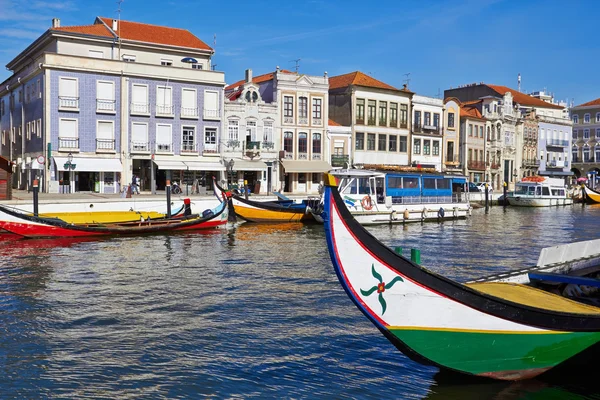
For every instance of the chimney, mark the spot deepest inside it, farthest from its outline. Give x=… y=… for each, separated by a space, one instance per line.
x=325 y=75
x=115 y=25
x=55 y=23
x=405 y=86
x=278 y=68
x=248 y=75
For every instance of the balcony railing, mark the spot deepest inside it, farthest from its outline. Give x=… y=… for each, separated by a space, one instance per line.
x=105 y=144
x=68 y=103
x=68 y=143
x=316 y=157
x=210 y=149
x=531 y=163
x=426 y=129
x=104 y=105
x=187 y=112
x=189 y=148
x=340 y=160
x=371 y=121
x=162 y=109
x=403 y=125
x=557 y=142
x=137 y=147
x=303 y=120
x=213 y=114
x=477 y=165
x=140 y=108
x=360 y=121
x=164 y=148
x=495 y=166
x=288 y=120
x=302 y=156
x=252 y=146
x=317 y=121
x=555 y=164
x=268 y=146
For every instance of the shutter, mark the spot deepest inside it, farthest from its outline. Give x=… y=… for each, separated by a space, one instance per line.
x=139 y=94
x=68 y=87
x=188 y=98
x=163 y=96
x=163 y=134
x=105 y=130
x=139 y=133
x=105 y=91
x=211 y=101
x=68 y=128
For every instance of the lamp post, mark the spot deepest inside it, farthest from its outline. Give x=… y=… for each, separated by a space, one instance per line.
x=69 y=166
x=230 y=165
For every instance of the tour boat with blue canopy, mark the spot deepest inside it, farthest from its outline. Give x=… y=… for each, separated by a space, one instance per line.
x=500 y=330
x=398 y=196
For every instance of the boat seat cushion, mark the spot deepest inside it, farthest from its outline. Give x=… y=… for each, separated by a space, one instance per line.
x=533 y=297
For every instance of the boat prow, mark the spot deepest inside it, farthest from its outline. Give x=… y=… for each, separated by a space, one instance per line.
x=497 y=330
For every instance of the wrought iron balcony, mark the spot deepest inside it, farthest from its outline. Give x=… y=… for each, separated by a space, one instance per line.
x=476 y=165
x=189 y=148
x=340 y=160
x=137 y=147
x=164 y=148
x=557 y=142
x=268 y=146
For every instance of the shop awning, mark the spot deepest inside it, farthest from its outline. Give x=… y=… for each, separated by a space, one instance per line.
x=305 y=166
x=91 y=164
x=204 y=166
x=247 y=165
x=171 y=164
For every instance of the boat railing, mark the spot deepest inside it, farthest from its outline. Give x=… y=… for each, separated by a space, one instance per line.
x=425 y=199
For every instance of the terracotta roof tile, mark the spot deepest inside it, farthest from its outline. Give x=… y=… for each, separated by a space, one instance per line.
x=357 y=78
x=258 y=79
x=94 y=30
x=470 y=112
x=590 y=103
x=156 y=34
x=333 y=123
x=234 y=95
x=523 y=98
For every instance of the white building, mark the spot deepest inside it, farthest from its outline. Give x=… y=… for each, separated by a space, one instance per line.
x=427 y=132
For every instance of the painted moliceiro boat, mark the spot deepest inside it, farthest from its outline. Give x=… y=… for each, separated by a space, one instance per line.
x=499 y=330
x=36 y=227
x=375 y=197
x=539 y=191
x=591 y=196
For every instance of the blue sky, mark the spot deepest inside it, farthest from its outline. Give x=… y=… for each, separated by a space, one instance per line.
x=553 y=44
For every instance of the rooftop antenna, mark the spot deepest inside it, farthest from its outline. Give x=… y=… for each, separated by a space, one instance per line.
x=519 y=81
x=439 y=94
x=119 y=23
x=214 y=50
x=407 y=79
x=297 y=61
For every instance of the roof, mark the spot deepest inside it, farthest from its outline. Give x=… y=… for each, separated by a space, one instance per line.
x=523 y=98
x=258 y=79
x=333 y=123
x=590 y=103
x=470 y=111
x=234 y=95
x=136 y=31
x=357 y=78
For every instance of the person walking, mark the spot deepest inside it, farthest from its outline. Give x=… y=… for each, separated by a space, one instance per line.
x=134 y=187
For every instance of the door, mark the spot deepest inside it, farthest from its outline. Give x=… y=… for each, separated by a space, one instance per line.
x=269 y=172
x=301 y=182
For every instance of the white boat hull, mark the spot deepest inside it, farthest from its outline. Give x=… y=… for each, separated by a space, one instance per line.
x=531 y=201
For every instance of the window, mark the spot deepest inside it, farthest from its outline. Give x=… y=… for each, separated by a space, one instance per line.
x=166 y=62
x=481 y=132
x=436 y=120
x=451 y=120
x=105 y=96
x=164 y=100
x=370 y=141
x=586 y=133
x=139 y=136
x=211 y=104
x=188 y=139
x=403 y=144
x=302 y=142
x=197 y=66
x=436 y=148
x=359 y=141
x=268 y=132
x=288 y=106
x=598 y=134
x=96 y=54
x=163 y=138
x=597 y=153
x=417 y=118
x=303 y=108
x=139 y=99
x=251 y=96
x=417 y=146
x=233 y=129
x=586 y=118
x=316 y=143
x=381 y=145
x=68 y=93
x=68 y=128
x=316 y=178
x=470 y=129
x=360 y=111
x=128 y=58
x=250 y=131
x=403 y=115
x=574 y=133
x=575 y=154
x=383 y=113
x=427 y=118
x=597 y=117
x=393 y=143
x=470 y=154
x=189 y=107
x=288 y=142
x=393 y=115
x=372 y=112
x=316 y=108
x=28 y=130
x=2 y=107
x=586 y=153
x=105 y=135
x=38 y=128
x=210 y=139
x=426 y=147
x=575 y=119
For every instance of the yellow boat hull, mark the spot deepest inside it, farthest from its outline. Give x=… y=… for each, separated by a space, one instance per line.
x=103 y=217
x=260 y=215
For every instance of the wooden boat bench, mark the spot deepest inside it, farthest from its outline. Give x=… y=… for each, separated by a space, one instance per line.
x=532 y=297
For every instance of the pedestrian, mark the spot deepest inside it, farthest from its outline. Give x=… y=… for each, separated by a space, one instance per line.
x=138 y=184
x=134 y=188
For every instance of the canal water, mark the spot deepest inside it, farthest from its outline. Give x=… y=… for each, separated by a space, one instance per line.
x=255 y=311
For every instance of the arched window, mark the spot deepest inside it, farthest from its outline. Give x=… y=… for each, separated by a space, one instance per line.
x=288 y=142
x=586 y=153
x=302 y=142
x=316 y=144
x=488 y=133
x=575 y=153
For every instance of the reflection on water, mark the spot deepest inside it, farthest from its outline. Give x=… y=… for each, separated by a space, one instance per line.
x=251 y=311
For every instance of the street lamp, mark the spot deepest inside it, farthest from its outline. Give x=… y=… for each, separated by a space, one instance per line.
x=230 y=165
x=69 y=164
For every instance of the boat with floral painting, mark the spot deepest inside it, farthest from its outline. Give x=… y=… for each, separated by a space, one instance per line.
x=499 y=330
x=539 y=191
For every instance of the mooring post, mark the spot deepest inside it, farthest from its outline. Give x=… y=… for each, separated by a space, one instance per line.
x=504 y=187
x=36 y=190
x=168 y=190
x=415 y=256
x=487 y=198
x=398 y=250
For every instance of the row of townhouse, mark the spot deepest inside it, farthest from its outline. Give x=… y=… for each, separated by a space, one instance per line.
x=89 y=107
x=586 y=139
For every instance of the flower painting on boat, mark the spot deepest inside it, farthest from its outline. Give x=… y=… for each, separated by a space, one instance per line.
x=380 y=287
